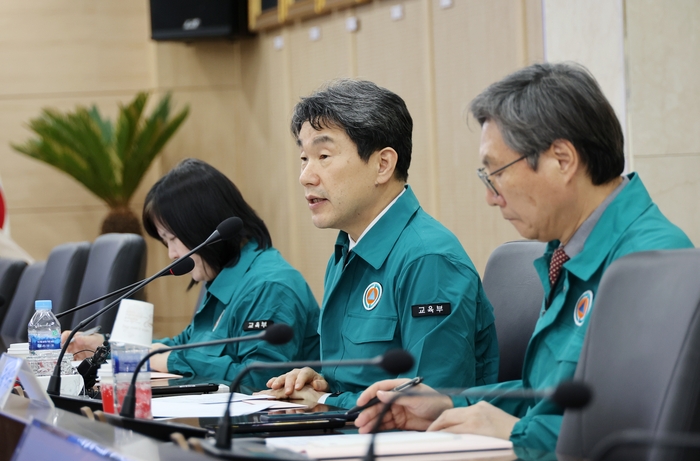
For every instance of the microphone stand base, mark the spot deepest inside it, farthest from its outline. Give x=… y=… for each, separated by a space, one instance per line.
x=249 y=449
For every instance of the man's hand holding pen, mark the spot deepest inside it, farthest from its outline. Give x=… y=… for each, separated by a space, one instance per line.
x=413 y=413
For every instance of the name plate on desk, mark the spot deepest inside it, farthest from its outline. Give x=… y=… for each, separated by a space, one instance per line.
x=13 y=368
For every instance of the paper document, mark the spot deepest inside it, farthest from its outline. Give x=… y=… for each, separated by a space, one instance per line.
x=388 y=443
x=214 y=398
x=171 y=409
x=163 y=375
x=213 y=405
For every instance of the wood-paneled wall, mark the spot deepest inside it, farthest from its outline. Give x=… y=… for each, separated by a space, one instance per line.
x=64 y=52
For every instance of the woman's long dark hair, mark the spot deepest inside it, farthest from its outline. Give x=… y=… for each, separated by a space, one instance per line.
x=191 y=200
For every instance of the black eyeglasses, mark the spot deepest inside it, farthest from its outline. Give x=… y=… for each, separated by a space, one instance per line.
x=484 y=176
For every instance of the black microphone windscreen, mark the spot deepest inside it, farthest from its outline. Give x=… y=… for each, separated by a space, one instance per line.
x=2 y=300
x=278 y=333
x=183 y=266
x=397 y=361
x=572 y=394
x=229 y=227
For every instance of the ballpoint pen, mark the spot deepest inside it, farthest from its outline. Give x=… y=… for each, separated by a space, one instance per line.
x=401 y=387
x=87 y=332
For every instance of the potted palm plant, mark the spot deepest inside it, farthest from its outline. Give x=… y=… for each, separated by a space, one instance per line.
x=109 y=160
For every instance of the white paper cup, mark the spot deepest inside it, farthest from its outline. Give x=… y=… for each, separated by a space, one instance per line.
x=134 y=323
x=70 y=384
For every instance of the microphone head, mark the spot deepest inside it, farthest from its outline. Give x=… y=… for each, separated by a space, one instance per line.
x=229 y=227
x=396 y=361
x=572 y=394
x=278 y=333
x=183 y=266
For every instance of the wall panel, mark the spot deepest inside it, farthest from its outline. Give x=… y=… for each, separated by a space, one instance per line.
x=394 y=54
x=75 y=46
x=663 y=39
x=469 y=56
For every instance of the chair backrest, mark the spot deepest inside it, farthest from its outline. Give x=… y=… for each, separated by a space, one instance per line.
x=63 y=276
x=115 y=261
x=21 y=309
x=515 y=291
x=10 y=272
x=641 y=355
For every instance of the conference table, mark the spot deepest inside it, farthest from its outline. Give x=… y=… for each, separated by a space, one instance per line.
x=114 y=442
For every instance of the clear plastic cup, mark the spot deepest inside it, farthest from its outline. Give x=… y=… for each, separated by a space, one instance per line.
x=125 y=358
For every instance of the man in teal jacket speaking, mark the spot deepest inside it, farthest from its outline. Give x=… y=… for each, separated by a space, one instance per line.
x=552 y=150
x=397 y=277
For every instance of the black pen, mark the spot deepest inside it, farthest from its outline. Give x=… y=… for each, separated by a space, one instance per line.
x=401 y=387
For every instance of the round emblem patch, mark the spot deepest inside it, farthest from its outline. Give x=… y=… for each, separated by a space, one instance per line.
x=583 y=307
x=373 y=293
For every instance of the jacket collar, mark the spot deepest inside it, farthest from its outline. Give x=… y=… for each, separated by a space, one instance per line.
x=221 y=287
x=630 y=203
x=376 y=245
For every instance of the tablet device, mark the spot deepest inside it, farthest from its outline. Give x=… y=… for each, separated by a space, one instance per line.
x=253 y=424
x=203 y=388
x=282 y=417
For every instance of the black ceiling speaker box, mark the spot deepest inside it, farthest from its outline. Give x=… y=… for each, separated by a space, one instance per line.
x=189 y=20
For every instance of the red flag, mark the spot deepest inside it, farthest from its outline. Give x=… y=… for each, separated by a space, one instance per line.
x=3 y=208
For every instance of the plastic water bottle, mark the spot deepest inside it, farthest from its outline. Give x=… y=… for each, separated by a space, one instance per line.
x=44 y=330
x=44 y=340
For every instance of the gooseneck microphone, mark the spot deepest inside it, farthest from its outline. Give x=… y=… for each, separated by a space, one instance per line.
x=54 y=387
x=568 y=394
x=395 y=361
x=184 y=267
x=226 y=230
x=277 y=333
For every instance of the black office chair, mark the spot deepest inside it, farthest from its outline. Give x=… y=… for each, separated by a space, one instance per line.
x=10 y=272
x=21 y=309
x=641 y=356
x=515 y=291
x=115 y=261
x=63 y=276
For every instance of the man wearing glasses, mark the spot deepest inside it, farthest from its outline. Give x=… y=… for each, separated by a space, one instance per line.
x=552 y=150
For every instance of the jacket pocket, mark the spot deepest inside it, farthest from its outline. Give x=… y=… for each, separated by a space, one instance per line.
x=360 y=329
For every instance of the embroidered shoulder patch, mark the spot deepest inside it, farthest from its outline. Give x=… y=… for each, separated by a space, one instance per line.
x=255 y=325
x=426 y=310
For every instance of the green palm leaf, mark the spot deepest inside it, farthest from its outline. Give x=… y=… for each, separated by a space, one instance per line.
x=110 y=161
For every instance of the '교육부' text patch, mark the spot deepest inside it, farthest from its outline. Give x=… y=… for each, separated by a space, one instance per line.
x=254 y=325
x=426 y=310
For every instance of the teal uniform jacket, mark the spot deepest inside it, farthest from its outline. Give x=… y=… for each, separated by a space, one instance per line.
x=631 y=223
x=261 y=288
x=408 y=284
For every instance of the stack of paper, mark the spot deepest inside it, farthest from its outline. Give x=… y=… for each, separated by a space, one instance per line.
x=389 y=443
x=213 y=405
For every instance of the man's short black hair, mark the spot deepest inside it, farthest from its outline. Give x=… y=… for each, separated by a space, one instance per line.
x=372 y=117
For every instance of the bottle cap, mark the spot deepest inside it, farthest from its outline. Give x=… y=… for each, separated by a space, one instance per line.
x=42 y=304
x=105 y=370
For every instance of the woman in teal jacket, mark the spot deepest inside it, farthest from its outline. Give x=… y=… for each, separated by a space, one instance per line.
x=249 y=286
